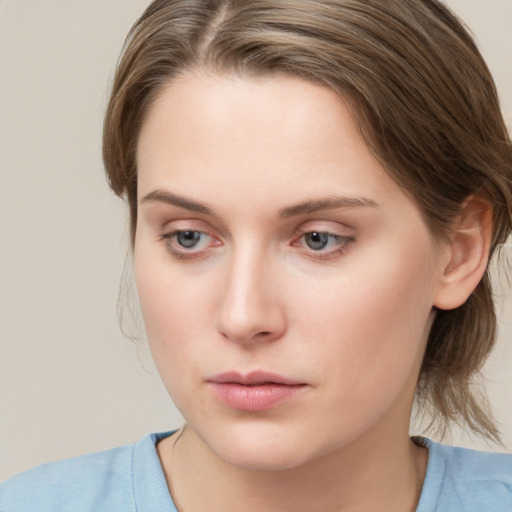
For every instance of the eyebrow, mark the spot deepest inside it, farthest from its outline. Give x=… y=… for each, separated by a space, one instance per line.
x=329 y=203
x=312 y=206
x=163 y=196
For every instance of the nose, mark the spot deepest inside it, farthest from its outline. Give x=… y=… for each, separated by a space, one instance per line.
x=250 y=309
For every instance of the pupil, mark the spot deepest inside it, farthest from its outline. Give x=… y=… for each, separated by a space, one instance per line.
x=188 y=238
x=316 y=240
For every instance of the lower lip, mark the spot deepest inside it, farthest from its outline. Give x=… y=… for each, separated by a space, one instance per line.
x=254 y=398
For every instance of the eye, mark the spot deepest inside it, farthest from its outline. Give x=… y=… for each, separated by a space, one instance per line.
x=188 y=243
x=322 y=244
x=317 y=241
x=189 y=239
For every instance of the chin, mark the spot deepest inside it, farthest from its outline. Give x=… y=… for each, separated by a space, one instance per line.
x=261 y=447
x=261 y=459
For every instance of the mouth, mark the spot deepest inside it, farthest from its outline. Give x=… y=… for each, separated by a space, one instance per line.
x=255 y=391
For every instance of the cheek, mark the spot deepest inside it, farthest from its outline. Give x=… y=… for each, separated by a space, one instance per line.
x=166 y=304
x=177 y=310
x=368 y=327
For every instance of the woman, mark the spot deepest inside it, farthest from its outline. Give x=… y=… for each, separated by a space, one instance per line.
x=315 y=190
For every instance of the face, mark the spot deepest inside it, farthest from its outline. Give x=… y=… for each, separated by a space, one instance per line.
x=286 y=282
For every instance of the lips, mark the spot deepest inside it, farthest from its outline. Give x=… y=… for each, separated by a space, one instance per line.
x=254 y=392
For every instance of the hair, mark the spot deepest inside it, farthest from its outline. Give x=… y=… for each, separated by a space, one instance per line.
x=424 y=101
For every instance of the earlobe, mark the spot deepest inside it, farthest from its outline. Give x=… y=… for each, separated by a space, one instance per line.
x=468 y=254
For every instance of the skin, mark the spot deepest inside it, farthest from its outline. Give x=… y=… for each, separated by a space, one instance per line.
x=349 y=320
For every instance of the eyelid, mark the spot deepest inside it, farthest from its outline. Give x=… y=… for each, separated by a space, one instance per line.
x=340 y=249
x=183 y=253
x=326 y=225
x=329 y=228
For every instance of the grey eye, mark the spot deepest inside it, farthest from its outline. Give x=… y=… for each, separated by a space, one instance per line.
x=316 y=240
x=188 y=239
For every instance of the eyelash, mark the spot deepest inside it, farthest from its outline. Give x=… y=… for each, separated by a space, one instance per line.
x=344 y=243
x=182 y=254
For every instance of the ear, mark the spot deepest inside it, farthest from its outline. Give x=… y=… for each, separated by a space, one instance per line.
x=467 y=252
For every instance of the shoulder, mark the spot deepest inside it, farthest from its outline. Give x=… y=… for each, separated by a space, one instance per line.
x=469 y=467
x=469 y=480
x=478 y=465
x=481 y=478
x=99 y=481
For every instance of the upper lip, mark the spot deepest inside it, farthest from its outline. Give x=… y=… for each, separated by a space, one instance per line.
x=253 y=379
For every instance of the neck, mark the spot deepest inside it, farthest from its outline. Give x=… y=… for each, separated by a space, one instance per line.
x=370 y=474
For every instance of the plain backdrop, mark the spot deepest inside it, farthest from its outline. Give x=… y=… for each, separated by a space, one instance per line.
x=70 y=382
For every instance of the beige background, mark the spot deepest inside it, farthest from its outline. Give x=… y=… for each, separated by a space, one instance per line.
x=70 y=383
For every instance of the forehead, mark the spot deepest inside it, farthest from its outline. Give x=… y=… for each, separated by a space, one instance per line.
x=257 y=137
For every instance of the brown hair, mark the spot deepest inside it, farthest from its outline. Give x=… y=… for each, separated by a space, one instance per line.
x=420 y=91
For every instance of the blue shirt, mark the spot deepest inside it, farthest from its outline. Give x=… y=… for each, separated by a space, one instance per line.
x=131 y=479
